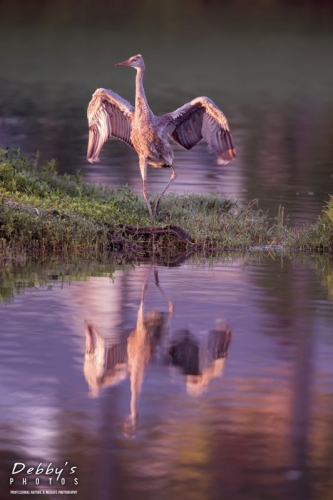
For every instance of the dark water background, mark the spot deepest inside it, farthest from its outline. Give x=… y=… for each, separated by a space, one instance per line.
x=268 y=65
x=250 y=419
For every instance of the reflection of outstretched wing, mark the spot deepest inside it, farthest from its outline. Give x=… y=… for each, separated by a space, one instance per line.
x=117 y=355
x=185 y=353
x=103 y=365
x=200 y=362
x=218 y=342
x=95 y=357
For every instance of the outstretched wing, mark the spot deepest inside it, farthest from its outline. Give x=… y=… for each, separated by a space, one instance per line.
x=202 y=119
x=109 y=115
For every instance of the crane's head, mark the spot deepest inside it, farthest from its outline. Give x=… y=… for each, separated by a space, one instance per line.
x=134 y=62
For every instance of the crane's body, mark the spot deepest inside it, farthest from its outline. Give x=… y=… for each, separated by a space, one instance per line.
x=150 y=142
x=109 y=115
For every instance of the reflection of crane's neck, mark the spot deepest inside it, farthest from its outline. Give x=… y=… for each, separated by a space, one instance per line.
x=141 y=105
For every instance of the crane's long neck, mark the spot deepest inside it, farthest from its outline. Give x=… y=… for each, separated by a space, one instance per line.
x=141 y=104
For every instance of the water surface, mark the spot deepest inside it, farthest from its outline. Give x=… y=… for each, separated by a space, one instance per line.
x=216 y=380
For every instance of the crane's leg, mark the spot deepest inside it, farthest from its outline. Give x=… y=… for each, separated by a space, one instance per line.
x=143 y=170
x=158 y=201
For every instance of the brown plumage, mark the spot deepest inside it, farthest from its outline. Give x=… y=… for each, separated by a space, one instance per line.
x=109 y=115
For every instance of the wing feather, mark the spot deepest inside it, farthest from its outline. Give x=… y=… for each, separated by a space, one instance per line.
x=202 y=119
x=109 y=115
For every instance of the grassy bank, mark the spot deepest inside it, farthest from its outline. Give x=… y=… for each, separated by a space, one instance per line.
x=43 y=213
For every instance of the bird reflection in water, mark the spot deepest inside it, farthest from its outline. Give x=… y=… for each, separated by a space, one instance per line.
x=200 y=361
x=150 y=333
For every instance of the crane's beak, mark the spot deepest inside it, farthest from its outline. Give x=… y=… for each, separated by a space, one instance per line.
x=124 y=63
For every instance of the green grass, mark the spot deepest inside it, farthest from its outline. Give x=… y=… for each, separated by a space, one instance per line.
x=45 y=214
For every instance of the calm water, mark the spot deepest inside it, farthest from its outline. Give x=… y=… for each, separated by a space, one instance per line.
x=218 y=383
x=268 y=65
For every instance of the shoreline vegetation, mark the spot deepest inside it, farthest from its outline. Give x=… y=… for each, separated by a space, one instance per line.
x=47 y=215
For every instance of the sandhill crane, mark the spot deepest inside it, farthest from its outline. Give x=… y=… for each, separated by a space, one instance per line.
x=109 y=115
